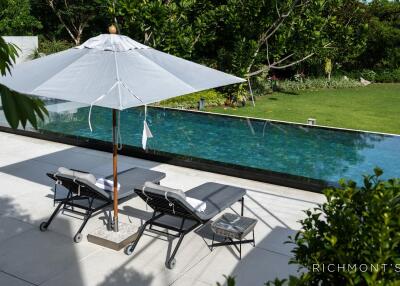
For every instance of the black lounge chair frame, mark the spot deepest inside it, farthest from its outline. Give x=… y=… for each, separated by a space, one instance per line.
x=162 y=208
x=82 y=200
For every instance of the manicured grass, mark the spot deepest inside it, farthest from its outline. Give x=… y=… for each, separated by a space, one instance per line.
x=373 y=108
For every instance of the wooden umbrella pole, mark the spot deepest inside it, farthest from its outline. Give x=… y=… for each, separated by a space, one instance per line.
x=115 y=171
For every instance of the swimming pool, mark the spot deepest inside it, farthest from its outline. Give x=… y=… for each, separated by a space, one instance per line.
x=311 y=152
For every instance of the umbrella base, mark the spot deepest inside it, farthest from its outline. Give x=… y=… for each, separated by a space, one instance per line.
x=114 y=240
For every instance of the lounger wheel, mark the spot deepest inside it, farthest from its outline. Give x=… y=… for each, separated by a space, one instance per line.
x=129 y=249
x=43 y=226
x=78 y=237
x=171 y=263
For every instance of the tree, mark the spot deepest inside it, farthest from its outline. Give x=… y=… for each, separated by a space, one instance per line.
x=75 y=15
x=17 y=108
x=383 y=43
x=298 y=30
x=245 y=37
x=178 y=27
x=16 y=18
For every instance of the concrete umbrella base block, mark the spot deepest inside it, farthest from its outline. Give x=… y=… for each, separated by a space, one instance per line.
x=115 y=240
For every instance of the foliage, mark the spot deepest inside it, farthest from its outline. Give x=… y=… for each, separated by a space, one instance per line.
x=230 y=281
x=8 y=54
x=16 y=18
x=292 y=281
x=317 y=84
x=388 y=75
x=356 y=226
x=212 y=98
x=377 y=75
x=234 y=35
x=383 y=44
x=374 y=107
x=48 y=47
x=17 y=108
x=75 y=15
x=310 y=28
x=261 y=85
x=368 y=74
x=273 y=37
x=176 y=27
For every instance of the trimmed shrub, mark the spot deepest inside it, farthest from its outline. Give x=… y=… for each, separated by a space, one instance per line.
x=384 y=76
x=48 y=47
x=357 y=229
x=212 y=98
x=368 y=75
x=388 y=76
x=317 y=84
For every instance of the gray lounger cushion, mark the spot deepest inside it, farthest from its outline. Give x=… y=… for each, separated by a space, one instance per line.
x=161 y=190
x=76 y=174
x=217 y=197
x=129 y=180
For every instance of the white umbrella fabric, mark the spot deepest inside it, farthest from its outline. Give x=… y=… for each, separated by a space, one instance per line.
x=116 y=72
x=113 y=71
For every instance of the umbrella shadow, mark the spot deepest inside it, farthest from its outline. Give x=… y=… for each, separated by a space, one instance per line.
x=96 y=162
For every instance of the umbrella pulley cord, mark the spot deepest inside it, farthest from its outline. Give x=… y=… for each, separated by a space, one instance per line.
x=91 y=107
x=118 y=131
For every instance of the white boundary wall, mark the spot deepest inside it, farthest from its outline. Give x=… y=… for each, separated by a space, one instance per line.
x=26 y=44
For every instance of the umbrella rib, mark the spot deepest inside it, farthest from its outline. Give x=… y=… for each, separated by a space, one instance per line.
x=117 y=71
x=131 y=92
x=123 y=83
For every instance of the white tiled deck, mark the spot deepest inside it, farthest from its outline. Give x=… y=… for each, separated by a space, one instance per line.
x=30 y=257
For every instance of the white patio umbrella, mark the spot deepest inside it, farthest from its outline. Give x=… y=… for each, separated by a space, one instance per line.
x=116 y=72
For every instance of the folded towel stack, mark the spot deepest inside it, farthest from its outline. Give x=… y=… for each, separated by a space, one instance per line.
x=198 y=205
x=105 y=184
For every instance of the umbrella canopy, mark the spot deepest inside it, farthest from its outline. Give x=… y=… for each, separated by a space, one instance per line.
x=113 y=71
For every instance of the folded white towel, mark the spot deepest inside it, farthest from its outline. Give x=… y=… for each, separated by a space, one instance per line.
x=105 y=184
x=198 y=205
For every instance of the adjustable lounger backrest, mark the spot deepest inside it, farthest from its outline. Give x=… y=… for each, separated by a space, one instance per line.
x=79 y=182
x=167 y=200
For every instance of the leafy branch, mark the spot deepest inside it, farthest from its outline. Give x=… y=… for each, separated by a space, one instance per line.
x=17 y=108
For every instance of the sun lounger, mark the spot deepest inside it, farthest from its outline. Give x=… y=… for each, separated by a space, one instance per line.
x=83 y=197
x=172 y=210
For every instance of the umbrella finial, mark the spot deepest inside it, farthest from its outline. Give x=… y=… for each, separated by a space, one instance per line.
x=112 y=29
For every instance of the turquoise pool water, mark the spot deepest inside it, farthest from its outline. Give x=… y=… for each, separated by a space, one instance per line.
x=325 y=154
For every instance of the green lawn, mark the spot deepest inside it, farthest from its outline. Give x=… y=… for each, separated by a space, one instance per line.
x=374 y=108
